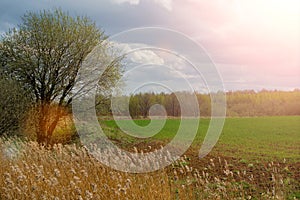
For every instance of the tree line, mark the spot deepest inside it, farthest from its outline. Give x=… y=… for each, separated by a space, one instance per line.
x=239 y=103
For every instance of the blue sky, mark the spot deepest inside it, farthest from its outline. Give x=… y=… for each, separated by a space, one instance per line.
x=255 y=44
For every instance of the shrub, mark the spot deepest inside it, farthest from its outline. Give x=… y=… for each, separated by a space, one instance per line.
x=14 y=102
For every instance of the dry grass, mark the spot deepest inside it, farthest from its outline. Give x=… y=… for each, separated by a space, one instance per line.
x=30 y=171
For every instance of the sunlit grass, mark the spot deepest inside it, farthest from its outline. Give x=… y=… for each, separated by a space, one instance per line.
x=31 y=171
x=255 y=137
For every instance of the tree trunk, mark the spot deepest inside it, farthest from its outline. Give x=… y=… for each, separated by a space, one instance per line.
x=53 y=126
x=42 y=123
x=48 y=118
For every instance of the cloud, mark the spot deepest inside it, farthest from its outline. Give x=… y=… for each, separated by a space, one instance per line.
x=155 y=70
x=260 y=36
x=132 y=2
x=137 y=55
x=166 y=4
x=146 y=57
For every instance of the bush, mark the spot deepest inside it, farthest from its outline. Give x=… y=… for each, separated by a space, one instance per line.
x=14 y=102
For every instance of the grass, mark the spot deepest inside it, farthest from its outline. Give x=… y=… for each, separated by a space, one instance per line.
x=31 y=171
x=247 y=138
x=255 y=158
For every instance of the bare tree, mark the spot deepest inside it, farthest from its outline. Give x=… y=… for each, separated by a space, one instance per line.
x=45 y=54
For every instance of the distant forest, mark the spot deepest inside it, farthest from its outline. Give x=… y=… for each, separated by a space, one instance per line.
x=239 y=103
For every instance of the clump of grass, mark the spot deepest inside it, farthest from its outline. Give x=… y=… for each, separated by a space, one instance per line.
x=31 y=171
x=68 y=172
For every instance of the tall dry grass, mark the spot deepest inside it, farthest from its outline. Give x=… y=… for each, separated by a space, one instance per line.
x=31 y=171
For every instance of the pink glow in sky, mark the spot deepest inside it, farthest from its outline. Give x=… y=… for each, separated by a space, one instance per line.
x=254 y=43
x=255 y=40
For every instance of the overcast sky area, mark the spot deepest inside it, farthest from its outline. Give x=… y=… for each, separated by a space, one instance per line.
x=255 y=44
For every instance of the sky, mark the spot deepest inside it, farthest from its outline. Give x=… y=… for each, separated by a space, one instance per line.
x=254 y=44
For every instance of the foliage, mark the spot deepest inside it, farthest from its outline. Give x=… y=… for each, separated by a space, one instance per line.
x=263 y=103
x=239 y=103
x=14 y=102
x=45 y=53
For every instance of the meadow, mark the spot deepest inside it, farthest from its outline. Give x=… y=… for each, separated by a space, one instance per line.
x=251 y=138
x=255 y=158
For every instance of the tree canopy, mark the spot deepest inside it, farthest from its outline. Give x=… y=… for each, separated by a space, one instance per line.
x=44 y=54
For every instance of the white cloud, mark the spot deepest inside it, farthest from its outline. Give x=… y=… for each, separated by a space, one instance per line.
x=167 y=4
x=133 y=2
x=136 y=54
x=146 y=57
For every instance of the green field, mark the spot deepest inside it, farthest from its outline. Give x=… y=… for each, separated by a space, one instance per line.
x=254 y=138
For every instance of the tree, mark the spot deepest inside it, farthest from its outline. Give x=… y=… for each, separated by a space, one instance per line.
x=134 y=106
x=45 y=54
x=145 y=104
x=172 y=105
x=13 y=102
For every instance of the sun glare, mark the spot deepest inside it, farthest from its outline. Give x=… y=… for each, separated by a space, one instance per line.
x=276 y=18
x=275 y=10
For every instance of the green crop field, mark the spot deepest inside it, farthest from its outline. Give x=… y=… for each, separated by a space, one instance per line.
x=254 y=138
